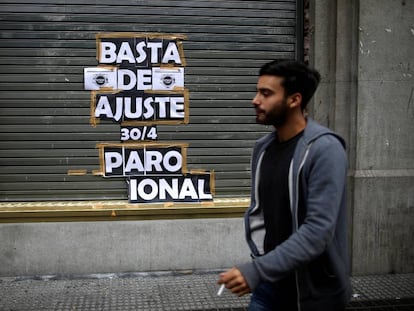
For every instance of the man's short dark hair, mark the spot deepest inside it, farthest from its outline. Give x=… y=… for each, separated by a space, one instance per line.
x=298 y=78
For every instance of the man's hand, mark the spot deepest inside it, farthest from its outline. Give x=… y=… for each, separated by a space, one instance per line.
x=234 y=281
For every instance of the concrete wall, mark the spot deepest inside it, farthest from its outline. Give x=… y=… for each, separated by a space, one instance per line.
x=385 y=145
x=120 y=246
x=364 y=50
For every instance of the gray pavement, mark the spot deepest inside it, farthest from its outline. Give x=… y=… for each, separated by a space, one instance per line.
x=185 y=290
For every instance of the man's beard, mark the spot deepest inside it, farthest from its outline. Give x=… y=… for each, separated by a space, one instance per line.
x=276 y=117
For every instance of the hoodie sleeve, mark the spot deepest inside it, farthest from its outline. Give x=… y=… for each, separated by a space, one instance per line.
x=326 y=170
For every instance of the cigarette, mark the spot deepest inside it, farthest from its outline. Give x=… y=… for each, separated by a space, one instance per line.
x=221 y=289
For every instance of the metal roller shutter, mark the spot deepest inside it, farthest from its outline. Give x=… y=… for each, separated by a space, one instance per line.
x=44 y=110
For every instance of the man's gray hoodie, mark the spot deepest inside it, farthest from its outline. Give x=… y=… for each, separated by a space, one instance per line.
x=317 y=248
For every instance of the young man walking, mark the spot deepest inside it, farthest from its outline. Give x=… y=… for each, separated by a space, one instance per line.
x=296 y=223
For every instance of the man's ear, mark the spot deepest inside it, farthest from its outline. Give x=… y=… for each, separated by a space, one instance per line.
x=295 y=100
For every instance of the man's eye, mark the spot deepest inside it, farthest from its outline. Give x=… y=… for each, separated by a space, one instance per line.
x=266 y=93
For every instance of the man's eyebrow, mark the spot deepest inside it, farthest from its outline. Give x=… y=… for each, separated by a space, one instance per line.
x=261 y=89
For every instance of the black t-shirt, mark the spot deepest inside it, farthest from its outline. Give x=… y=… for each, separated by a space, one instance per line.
x=274 y=191
x=275 y=202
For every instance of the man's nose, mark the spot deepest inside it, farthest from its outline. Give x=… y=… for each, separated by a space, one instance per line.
x=255 y=101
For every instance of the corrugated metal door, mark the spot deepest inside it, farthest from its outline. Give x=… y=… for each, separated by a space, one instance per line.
x=44 y=110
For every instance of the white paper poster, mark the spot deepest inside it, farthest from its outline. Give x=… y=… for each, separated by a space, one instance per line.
x=99 y=78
